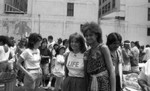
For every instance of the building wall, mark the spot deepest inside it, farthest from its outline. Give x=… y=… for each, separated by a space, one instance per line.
x=134 y=27
x=137 y=22
x=49 y=17
x=54 y=20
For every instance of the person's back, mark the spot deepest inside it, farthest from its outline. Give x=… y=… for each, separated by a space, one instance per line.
x=134 y=58
x=146 y=54
x=135 y=53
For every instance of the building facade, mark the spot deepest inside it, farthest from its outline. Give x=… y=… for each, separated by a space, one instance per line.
x=58 y=18
x=132 y=21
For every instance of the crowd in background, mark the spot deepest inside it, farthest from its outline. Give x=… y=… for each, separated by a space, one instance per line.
x=79 y=63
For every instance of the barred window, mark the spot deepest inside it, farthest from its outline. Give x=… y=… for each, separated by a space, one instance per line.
x=16 y=6
x=148 y=14
x=148 y=31
x=70 y=9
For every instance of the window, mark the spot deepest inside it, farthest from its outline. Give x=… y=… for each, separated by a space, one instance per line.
x=104 y=1
x=148 y=1
x=103 y=10
x=16 y=6
x=70 y=9
x=81 y=25
x=120 y=17
x=148 y=31
x=99 y=15
x=99 y=2
x=113 y=3
x=108 y=6
x=148 y=14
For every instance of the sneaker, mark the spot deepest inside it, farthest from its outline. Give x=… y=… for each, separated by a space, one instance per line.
x=52 y=88
x=21 y=84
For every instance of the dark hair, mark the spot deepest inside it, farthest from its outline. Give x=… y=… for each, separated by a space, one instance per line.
x=94 y=28
x=50 y=37
x=65 y=41
x=44 y=40
x=55 y=45
x=12 y=38
x=79 y=39
x=33 y=38
x=5 y=40
x=61 y=47
x=23 y=40
x=113 y=37
x=147 y=45
x=137 y=44
x=126 y=41
x=59 y=41
x=133 y=42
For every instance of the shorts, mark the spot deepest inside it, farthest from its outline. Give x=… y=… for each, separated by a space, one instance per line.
x=30 y=84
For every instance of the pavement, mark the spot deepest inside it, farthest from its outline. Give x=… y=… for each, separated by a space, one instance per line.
x=21 y=89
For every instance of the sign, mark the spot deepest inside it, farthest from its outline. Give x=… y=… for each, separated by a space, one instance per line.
x=108 y=6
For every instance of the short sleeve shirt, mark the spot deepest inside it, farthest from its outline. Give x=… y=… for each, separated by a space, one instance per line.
x=2 y=53
x=145 y=73
x=75 y=65
x=31 y=58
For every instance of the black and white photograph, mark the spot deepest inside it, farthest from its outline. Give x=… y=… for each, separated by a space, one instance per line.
x=74 y=45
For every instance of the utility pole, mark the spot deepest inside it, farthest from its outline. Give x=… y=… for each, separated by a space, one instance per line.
x=98 y=12
x=39 y=16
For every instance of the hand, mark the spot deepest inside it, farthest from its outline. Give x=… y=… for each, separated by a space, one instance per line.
x=45 y=56
x=30 y=77
x=146 y=88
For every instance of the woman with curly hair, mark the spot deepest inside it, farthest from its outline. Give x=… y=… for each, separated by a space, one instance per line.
x=31 y=58
x=99 y=66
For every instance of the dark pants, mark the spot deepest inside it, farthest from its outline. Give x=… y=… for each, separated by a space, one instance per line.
x=20 y=76
x=118 y=87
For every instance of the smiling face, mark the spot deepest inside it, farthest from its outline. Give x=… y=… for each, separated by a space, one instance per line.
x=75 y=45
x=90 y=37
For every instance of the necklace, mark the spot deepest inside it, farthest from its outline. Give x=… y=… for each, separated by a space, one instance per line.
x=93 y=49
x=75 y=54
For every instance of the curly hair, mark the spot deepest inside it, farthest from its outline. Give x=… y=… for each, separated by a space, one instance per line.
x=94 y=28
x=33 y=38
x=113 y=37
x=5 y=40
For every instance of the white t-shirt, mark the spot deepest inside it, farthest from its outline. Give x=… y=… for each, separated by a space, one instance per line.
x=2 y=53
x=75 y=65
x=59 y=66
x=145 y=73
x=31 y=58
x=7 y=54
x=50 y=45
x=147 y=53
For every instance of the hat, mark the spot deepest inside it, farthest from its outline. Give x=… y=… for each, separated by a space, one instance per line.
x=62 y=47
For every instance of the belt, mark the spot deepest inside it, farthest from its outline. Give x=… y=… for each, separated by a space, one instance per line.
x=34 y=69
x=94 y=84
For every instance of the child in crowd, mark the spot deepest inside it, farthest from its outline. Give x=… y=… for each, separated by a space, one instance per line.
x=46 y=57
x=20 y=48
x=59 y=68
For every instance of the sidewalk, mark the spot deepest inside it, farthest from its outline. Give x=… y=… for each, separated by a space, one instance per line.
x=21 y=89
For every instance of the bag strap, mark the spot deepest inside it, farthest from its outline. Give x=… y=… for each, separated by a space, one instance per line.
x=66 y=59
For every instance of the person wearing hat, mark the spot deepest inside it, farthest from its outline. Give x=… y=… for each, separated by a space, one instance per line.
x=58 y=70
x=126 y=53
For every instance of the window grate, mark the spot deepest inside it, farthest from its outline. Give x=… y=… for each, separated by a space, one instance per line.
x=16 y=6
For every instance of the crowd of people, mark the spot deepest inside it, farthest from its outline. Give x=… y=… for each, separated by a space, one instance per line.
x=80 y=63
